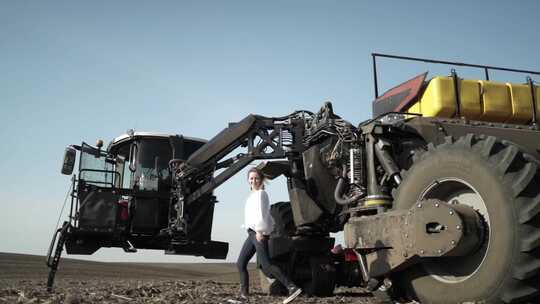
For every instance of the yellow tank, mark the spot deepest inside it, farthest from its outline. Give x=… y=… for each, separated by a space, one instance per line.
x=521 y=101
x=439 y=98
x=415 y=108
x=479 y=100
x=495 y=100
x=469 y=93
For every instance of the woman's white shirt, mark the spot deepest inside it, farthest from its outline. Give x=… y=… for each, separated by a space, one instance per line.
x=257 y=212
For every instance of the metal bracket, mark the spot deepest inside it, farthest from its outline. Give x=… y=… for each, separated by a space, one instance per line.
x=399 y=238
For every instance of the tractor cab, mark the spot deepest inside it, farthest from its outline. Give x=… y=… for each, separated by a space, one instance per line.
x=144 y=157
x=121 y=197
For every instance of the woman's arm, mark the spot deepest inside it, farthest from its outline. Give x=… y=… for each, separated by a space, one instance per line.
x=265 y=223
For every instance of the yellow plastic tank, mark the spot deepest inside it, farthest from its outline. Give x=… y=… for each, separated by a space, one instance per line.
x=438 y=98
x=521 y=100
x=479 y=100
x=469 y=97
x=415 y=108
x=495 y=99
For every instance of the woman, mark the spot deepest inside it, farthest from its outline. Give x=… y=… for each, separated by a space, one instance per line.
x=259 y=224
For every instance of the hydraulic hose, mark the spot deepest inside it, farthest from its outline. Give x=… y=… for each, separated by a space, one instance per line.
x=387 y=163
x=337 y=194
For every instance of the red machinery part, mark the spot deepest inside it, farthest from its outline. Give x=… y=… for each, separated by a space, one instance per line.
x=124 y=209
x=350 y=255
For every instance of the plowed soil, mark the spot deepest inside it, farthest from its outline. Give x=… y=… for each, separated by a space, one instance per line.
x=23 y=280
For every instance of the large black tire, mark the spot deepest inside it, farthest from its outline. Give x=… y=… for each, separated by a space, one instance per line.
x=271 y=286
x=503 y=185
x=319 y=268
x=323 y=277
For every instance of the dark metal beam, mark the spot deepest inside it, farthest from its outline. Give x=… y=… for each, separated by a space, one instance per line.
x=375 y=75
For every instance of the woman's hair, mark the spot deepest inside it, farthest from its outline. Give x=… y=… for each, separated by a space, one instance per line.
x=259 y=173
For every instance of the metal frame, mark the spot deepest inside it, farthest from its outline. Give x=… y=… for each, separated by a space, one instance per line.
x=485 y=67
x=270 y=136
x=111 y=172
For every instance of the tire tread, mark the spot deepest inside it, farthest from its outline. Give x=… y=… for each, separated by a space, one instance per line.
x=527 y=269
x=530 y=211
x=521 y=174
x=530 y=242
x=504 y=158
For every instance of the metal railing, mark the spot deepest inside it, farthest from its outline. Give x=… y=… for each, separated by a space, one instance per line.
x=486 y=68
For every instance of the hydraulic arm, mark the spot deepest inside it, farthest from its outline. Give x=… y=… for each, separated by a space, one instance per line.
x=261 y=137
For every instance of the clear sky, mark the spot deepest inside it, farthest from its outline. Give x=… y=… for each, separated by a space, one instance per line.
x=73 y=71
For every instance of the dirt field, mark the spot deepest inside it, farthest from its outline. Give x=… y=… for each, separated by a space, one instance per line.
x=23 y=280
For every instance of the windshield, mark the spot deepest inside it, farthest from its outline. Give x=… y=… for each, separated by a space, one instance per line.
x=150 y=156
x=153 y=157
x=94 y=167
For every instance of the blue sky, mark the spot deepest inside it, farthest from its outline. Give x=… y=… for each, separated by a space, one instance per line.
x=73 y=71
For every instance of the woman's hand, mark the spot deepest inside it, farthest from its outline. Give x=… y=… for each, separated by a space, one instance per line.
x=259 y=236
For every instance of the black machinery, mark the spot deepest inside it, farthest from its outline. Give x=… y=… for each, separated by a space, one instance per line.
x=444 y=207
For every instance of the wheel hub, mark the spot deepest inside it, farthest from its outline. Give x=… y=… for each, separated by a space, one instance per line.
x=458 y=191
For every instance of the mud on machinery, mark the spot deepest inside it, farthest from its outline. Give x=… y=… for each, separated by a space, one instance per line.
x=438 y=195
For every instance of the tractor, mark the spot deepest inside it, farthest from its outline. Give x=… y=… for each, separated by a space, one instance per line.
x=438 y=195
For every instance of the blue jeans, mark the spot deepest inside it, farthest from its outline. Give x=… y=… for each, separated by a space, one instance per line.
x=251 y=245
